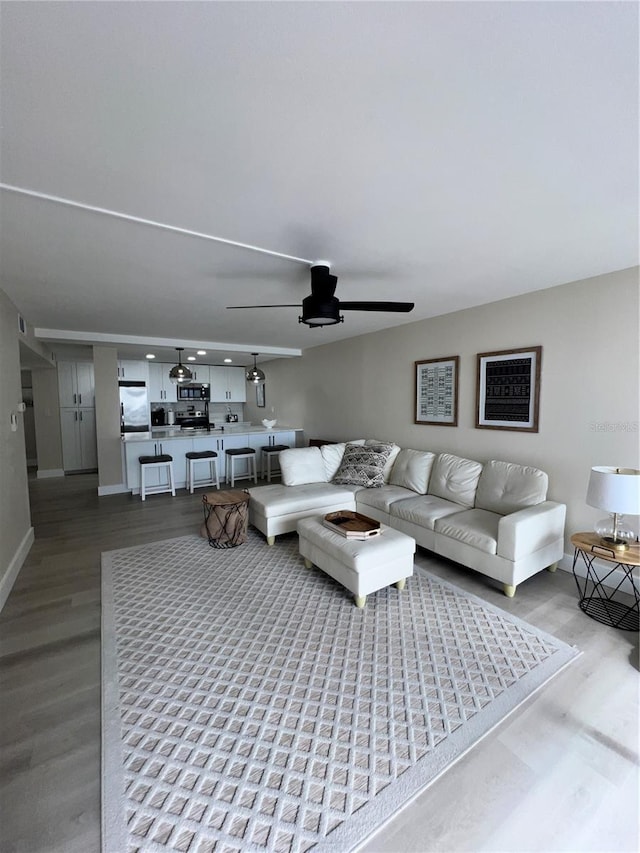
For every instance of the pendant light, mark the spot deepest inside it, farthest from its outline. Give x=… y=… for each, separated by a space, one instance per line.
x=180 y=374
x=254 y=374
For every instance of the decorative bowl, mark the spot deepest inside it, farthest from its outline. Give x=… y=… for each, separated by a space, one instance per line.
x=269 y=424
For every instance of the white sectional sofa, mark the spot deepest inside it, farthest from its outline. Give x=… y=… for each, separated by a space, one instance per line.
x=491 y=517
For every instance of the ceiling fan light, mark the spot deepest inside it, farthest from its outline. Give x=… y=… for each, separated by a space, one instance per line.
x=180 y=374
x=320 y=312
x=254 y=374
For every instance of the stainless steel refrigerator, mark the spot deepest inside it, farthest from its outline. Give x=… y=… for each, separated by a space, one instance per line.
x=134 y=408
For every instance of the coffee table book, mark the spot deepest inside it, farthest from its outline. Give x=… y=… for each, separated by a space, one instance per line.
x=352 y=525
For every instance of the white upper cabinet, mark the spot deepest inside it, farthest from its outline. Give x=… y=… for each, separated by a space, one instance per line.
x=161 y=389
x=133 y=371
x=228 y=385
x=200 y=373
x=237 y=383
x=76 y=384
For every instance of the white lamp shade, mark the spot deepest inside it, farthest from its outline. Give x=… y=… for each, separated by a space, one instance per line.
x=615 y=490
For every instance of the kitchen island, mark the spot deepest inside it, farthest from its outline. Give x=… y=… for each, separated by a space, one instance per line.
x=177 y=442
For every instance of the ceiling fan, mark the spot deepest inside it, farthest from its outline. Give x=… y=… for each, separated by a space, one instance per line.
x=322 y=307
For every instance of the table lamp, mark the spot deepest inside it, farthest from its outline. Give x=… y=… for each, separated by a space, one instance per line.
x=616 y=490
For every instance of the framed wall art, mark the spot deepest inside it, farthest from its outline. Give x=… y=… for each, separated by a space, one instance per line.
x=260 y=396
x=436 y=384
x=508 y=389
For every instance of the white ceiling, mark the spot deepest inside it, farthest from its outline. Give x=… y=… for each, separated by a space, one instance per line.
x=450 y=154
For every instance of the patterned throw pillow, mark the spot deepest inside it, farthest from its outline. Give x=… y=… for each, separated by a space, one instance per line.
x=363 y=465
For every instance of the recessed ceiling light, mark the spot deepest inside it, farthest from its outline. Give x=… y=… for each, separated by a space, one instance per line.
x=191 y=358
x=228 y=360
x=149 y=355
x=202 y=352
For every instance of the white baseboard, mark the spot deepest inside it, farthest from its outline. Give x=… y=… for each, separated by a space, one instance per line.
x=44 y=473
x=9 y=577
x=118 y=489
x=601 y=567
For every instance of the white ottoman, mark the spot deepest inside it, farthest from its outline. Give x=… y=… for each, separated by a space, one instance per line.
x=361 y=566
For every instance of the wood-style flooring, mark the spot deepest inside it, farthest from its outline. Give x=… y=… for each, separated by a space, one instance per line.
x=561 y=774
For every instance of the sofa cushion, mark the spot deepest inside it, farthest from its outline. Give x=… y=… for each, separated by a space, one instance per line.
x=423 y=510
x=455 y=479
x=382 y=498
x=475 y=527
x=332 y=455
x=363 y=465
x=388 y=466
x=411 y=470
x=276 y=500
x=301 y=465
x=504 y=487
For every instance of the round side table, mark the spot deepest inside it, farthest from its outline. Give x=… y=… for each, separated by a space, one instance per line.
x=596 y=599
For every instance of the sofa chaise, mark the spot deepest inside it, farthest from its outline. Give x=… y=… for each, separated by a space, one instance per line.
x=492 y=517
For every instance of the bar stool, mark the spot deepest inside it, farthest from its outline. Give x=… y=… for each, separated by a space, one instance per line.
x=196 y=456
x=268 y=453
x=162 y=462
x=239 y=454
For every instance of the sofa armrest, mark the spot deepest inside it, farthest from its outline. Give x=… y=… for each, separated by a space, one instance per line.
x=526 y=531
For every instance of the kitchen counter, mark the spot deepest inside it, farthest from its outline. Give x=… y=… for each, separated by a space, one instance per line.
x=158 y=433
x=177 y=442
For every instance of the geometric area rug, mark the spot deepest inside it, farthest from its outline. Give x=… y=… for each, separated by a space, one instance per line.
x=249 y=705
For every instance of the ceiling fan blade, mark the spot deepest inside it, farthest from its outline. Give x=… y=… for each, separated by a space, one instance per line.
x=396 y=307
x=246 y=274
x=297 y=305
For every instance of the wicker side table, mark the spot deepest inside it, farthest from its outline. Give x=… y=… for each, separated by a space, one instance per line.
x=225 y=517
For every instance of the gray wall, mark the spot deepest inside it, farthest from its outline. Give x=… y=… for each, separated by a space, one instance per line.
x=16 y=533
x=589 y=399
x=46 y=408
x=28 y=418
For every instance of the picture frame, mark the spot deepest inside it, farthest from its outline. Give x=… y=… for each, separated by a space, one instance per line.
x=260 y=401
x=508 y=389
x=436 y=391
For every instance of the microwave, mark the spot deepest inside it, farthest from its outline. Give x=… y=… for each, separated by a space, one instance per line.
x=194 y=392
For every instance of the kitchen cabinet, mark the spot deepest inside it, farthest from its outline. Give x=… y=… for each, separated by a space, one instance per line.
x=200 y=373
x=215 y=443
x=228 y=384
x=176 y=448
x=79 y=452
x=232 y=442
x=220 y=443
x=269 y=439
x=133 y=371
x=76 y=393
x=76 y=386
x=288 y=437
x=161 y=389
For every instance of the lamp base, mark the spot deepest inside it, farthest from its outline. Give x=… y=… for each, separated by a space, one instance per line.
x=615 y=533
x=614 y=544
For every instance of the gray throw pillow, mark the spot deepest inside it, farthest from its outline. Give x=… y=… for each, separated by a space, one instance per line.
x=363 y=465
